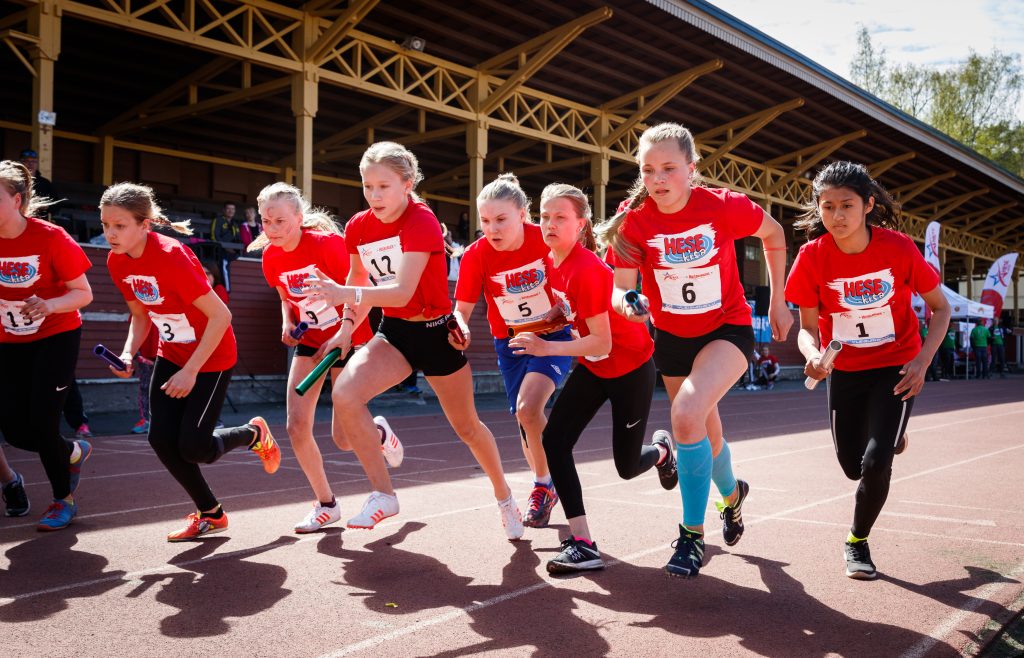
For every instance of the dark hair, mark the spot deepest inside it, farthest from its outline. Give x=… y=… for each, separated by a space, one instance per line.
x=851 y=175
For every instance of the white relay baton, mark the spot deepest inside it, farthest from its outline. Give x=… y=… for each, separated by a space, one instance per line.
x=833 y=349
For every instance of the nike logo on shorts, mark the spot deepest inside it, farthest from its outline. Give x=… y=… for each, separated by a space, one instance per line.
x=61 y=388
x=633 y=424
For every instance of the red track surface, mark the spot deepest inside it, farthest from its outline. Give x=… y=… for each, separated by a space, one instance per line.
x=441 y=579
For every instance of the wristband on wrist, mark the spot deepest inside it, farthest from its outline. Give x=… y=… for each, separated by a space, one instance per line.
x=359 y=296
x=350 y=320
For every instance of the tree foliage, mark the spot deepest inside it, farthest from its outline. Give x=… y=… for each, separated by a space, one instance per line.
x=973 y=102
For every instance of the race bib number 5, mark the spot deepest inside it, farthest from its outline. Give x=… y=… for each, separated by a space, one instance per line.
x=689 y=291
x=864 y=327
x=382 y=259
x=173 y=327
x=14 y=322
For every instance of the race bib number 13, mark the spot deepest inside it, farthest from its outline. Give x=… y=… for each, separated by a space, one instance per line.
x=14 y=322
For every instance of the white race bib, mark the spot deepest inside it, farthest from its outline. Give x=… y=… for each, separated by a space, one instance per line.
x=14 y=322
x=864 y=327
x=382 y=259
x=523 y=298
x=689 y=291
x=173 y=327
x=318 y=314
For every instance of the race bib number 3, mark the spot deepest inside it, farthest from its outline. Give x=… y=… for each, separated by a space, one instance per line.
x=173 y=327
x=14 y=322
x=864 y=328
x=689 y=291
x=382 y=259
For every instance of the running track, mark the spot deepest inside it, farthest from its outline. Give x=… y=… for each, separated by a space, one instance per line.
x=439 y=579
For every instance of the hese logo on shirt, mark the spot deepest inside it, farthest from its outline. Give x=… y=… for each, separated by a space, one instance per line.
x=145 y=289
x=295 y=281
x=864 y=291
x=517 y=282
x=687 y=247
x=19 y=272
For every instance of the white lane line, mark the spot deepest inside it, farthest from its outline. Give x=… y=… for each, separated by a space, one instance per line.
x=901 y=531
x=942 y=519
x=970 y=507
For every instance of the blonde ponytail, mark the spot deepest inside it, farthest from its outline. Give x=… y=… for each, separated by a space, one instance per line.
x=313 y=219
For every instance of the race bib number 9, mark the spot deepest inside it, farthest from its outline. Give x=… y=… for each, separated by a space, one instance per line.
x=318 y=314
x=173 y=327
x=865 y=327
x=14 y=322
x=690 y=291
x=382 y=259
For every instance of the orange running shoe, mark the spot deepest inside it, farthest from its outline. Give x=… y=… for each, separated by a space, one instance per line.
x=196 y=526
x=266 y=447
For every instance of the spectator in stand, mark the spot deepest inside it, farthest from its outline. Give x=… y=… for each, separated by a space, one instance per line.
x=250 y=228
x=213 y=276
x=464 y=226
x=947 y=350
x=226 y=229
x=998 y=334
x=768 y=368
x=144 y=371
x=41 y=185
x=979 y=346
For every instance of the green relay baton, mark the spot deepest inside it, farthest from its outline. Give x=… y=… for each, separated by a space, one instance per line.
x=318 y=371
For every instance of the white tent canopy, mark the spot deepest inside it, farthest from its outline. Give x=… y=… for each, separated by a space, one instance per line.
x=960 y=306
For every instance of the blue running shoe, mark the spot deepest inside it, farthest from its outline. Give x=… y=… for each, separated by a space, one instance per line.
x=75 y=470
x=58 y=515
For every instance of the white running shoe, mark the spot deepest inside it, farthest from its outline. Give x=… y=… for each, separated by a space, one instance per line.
x=389 y=443
x=318 y=517
x=512 y=519
x=377 y=507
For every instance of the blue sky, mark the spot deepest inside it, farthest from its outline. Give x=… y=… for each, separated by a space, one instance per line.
x=933 y=32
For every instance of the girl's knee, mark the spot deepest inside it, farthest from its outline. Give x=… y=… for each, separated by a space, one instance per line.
x=626 y=471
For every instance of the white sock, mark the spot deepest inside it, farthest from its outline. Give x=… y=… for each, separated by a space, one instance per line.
x=508 y=502
x=546 y=480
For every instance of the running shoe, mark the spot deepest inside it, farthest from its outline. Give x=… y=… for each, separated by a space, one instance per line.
x=197 y=525
x=511 y=519
x=689 y=556
x=75 y=470
x=377 y=507
x=732 y=515
x=389 y=443
x=902 y=444
x=543 y=499
x=318 y=517
x=265 y=446
x=141 y=427
x=15 y=497
x=83 y=432
x=858 y=561
x=57 y=516
x=667 y=472
x=576 y=555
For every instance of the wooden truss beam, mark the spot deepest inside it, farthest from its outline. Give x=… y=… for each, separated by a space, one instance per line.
x=939 y=209
x=880 y=168
x=449 y=178
x=905 y=193
x=810 y=156
x=339 y=29
x=407 y=140
x=747 y=127
x=1012 y=225
x=974 y=219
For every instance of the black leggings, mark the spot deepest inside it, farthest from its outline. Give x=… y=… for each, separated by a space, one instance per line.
x=867 y=421
x=581 y=397
x=34 y=384
x=182 y=433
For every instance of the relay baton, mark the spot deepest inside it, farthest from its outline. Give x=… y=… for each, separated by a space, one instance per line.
x=455 y=330
x=538 y=327
x=299 y=329
x=114 y=360
x=632 y=298
x=827 y=358
x=318 y=371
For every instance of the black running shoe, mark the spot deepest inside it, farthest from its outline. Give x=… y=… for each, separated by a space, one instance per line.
x=15 y=497
x=732 y=516
x=667 y=472
x=858 y=561
x=689 y=555
x=576 y=556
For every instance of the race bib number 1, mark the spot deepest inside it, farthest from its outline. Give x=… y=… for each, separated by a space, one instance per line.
x=864 y=328
x=689 y=291
x=14 y=322
x=173 y=327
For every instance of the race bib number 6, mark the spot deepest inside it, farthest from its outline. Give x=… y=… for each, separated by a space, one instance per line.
x=14 y=322
x=173 y=327
x=864 y=327
x=689 y=291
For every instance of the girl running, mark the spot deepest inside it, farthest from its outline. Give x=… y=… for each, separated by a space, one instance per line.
x=398 y=243
x=296 y=240
x=615 y=365
x=163 y=283
x=853 y=282
x=508 y=266
x=679 y=236
x=42 y=286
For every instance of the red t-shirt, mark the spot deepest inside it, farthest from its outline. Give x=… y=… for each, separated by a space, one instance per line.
x=166 y=279
x=516 y=282
x=380 y=247
x=288 y=270
x=583 y=285
x=38 y=262
x=863 y=300
x=688 y=261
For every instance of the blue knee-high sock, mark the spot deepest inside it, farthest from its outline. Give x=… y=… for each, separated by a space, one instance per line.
x=694 y=464
x=721 y=472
